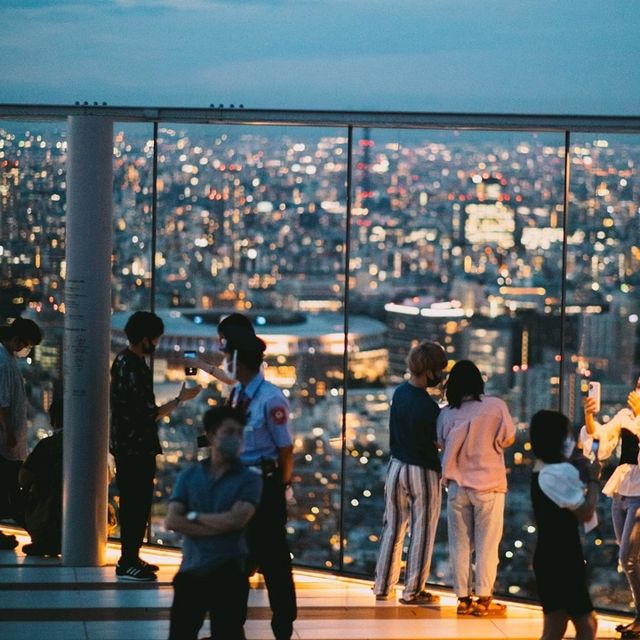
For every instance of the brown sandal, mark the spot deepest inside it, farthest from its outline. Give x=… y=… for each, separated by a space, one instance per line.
x=466 y=606
x=422 y=598
x=487 y=607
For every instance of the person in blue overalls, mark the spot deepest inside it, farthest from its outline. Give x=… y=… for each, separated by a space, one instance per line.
x=268 y=447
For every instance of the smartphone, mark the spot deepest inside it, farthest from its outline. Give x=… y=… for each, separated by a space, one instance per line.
x=202 y=441
x=190 y=355
x=594 y=392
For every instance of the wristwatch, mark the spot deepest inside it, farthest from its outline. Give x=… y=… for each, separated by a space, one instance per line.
x=192 y=516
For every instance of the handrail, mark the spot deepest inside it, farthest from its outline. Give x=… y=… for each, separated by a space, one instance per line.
x=328 y=118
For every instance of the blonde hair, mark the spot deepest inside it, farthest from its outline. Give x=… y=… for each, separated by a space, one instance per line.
x=426 y=356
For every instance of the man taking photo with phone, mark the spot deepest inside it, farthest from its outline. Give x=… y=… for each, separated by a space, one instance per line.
x=134 y=438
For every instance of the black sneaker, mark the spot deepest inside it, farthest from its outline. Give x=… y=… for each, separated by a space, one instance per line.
x=35 y=549
x=135 y=573
x=143 y=564
x=8 y=542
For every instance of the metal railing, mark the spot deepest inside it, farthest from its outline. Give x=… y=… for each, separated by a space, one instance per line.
x=325 y=118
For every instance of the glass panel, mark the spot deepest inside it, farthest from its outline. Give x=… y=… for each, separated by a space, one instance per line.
x=32 y=249
x=132 y=203
x=132 y=234
x=602 y=313
x=457 y=237
x=32 y=245
x=253 y=220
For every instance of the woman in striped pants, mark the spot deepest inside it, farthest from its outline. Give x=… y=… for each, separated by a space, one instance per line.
x=412 y=487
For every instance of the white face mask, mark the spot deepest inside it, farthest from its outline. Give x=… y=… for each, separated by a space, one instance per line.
x=23 y=353
x=230 y=367
x=568 y=446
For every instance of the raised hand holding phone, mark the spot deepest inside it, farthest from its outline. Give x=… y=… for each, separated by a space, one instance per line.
x=594 y=393
x=633 y=400
x=591 y=407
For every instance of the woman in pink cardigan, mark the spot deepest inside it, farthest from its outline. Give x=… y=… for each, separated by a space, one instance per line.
x=473 y=431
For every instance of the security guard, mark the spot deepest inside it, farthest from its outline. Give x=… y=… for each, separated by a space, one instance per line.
x=269 y=448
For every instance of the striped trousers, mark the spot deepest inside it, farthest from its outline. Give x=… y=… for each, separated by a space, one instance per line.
x=412 y=501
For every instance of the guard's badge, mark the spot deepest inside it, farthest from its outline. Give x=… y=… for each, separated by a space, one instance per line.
x=278 y=415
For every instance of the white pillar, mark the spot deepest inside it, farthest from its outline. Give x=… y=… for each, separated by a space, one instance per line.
x=87 y=331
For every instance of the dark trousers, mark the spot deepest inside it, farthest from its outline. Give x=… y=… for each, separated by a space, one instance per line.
x=269 y=553
x=134 y=476
x=223 y=593
x=11 y=498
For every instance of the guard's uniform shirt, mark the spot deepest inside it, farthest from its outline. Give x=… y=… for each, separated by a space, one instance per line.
x=267 y=428
x=267 y=431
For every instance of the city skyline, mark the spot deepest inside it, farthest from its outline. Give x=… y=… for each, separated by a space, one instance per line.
x=456 y=236
x=438 y=56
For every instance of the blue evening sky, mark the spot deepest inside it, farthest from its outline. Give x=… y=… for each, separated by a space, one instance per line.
x=548 y=56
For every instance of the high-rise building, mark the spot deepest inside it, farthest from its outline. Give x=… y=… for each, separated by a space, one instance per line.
x=487 y=220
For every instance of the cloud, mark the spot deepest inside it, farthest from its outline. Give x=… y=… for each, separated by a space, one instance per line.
x=463 y=81
x=439 y=55
x=178 y=5
x=49 y=4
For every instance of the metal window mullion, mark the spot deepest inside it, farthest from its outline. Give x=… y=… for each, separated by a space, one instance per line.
x=154 y=229
x=563 y=286
x=345 y=356
x=154 y=216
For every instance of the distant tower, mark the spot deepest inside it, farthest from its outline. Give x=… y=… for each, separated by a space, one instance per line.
x=364 y=166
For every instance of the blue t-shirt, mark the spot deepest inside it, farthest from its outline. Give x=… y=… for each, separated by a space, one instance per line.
x=197 y=490
x=412 y=427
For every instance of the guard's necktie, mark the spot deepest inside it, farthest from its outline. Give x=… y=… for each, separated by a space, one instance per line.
x=243 y=400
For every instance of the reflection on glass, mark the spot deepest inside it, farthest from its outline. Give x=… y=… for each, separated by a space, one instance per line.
x=602 y=312
x=32 y=252
x=254 y=221
x=132 y=202
x=456 y=236
x=32 y=243
x=131 y=262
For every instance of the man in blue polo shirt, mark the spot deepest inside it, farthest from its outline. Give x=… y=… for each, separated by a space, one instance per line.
x=211 y=504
